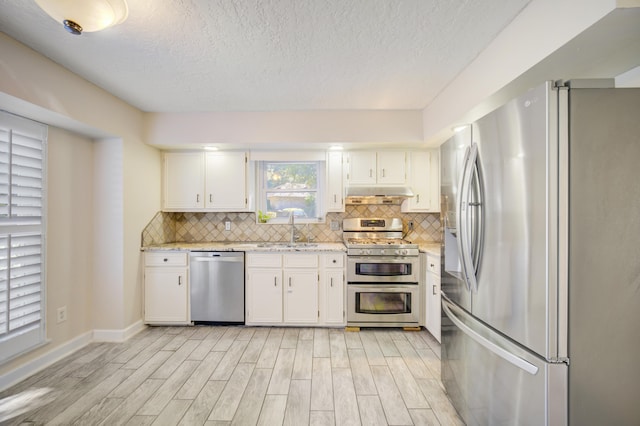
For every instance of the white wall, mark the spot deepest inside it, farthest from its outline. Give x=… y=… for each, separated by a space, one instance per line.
x=298 y=129
x=124 y=179
x=549 y=40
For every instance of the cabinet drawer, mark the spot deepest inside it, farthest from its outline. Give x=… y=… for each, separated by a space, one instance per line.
x=264 y=260
x=165 y=258
x=333 y=260
x=300 y=260
x=433 y=264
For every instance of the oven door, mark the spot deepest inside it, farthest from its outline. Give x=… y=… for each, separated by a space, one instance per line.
x=383 y=305
x=382 y=269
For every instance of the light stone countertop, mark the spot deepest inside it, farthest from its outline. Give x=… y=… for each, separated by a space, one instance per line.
x=249 y=246
x=430 y=248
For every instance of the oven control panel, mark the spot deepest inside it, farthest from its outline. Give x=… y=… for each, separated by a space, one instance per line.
x=383 y=252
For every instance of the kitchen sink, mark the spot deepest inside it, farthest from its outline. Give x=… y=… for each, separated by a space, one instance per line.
x=292 y=245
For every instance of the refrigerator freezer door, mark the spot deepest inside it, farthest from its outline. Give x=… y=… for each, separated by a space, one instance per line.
x=492 y=381
x=517 y=148
x=452 y=154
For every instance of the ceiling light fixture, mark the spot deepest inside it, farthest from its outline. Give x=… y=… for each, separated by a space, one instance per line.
x=86 y=15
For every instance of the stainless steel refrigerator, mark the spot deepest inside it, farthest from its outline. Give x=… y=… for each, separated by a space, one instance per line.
x=541 y=260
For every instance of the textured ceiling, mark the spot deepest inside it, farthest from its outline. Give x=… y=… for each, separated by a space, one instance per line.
x=272 y=55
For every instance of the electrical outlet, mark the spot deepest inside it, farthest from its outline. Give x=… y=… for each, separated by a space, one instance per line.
x=227 y=225
x=411 y=226
x=335 y=225
x=62 y=314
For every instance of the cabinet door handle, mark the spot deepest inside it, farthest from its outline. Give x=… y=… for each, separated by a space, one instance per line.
x=383 y=173
x=211 y=198
x=335 y=198
x=165 y=260
x=331 y=279
x=289 y=281
x=197 y=198
x=418 y=199
x=434 y=290
x=370 y=172
x=275 y=281
x=179 y=279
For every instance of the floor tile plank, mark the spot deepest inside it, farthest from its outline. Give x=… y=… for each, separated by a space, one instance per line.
x=281 y=377
x=362 y=378
x=303 y=363
x=371 y=348
x=165 y=393
x=344 y=398
x=270 y=350
x=254 y=348
x=172 y=413
x=321 y=385
x=133 y=402
x=321 y=343
x=297 y=409
x=228 y=402
x=229 y=361
x=200 y=376
x=338 y=347
x=409 y=389
x=273 y=410
x=392 y=403
x=371 y=412
x=321 y=418
x=201 y=408
x=249 y=409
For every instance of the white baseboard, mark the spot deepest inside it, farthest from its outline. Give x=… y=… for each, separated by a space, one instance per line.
x=40 y=363
x=118 y=335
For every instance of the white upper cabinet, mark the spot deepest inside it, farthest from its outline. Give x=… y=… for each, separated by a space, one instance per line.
x=381 y=168
x=335 y=188
x=196 y=181
x=183 y=183
x=424 y=180
x=225 y=180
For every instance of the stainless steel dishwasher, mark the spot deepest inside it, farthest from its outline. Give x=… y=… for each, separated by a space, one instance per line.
x=217 y=287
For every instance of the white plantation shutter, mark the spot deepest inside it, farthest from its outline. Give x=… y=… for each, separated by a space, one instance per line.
x=22 y=148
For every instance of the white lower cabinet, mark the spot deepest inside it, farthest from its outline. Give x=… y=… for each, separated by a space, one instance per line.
x=166 y=288
x=433 y=302
x=292 y=289
x=333 y=290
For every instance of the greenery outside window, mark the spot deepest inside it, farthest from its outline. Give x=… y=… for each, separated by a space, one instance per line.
x=290 y=189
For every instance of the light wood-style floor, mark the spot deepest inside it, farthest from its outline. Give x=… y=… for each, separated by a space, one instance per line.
x=208 y=375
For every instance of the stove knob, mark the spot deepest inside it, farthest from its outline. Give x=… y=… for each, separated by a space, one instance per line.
x=367 y=251
x=382 y=251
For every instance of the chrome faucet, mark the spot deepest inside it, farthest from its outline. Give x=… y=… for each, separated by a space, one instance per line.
x=293 y=236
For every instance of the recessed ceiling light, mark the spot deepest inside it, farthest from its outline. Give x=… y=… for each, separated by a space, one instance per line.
x=210 y=148
x=336 y=148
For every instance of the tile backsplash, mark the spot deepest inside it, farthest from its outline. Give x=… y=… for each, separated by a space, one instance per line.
x=168 y=227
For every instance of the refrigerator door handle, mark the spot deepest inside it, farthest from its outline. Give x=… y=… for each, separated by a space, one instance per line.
x=464 y=241
x=502 y=353
x=461 y=216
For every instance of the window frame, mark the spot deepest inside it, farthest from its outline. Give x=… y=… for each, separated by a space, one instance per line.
x=263 y=191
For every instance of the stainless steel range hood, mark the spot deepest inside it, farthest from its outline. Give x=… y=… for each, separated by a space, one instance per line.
x=377 y=194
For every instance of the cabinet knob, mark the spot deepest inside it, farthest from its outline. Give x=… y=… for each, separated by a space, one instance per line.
x=432 y=265
x=334 y=261
x=165 y=260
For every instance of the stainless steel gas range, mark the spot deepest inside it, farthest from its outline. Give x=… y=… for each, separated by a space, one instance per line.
x=382 y=274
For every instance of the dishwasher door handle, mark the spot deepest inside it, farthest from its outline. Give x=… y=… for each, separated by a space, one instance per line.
x=236 y=259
